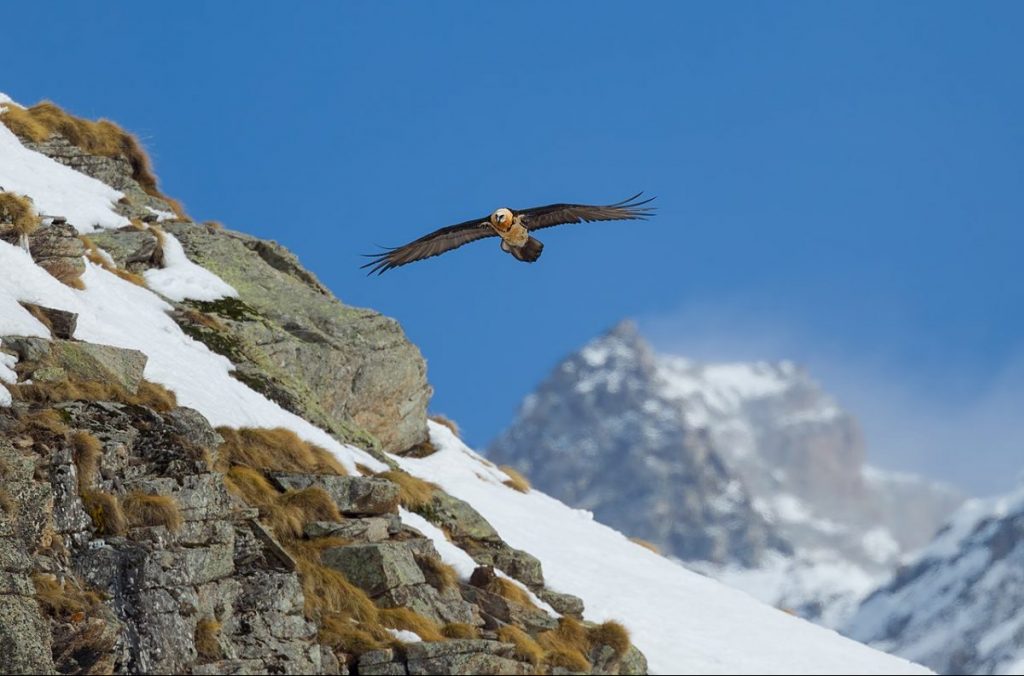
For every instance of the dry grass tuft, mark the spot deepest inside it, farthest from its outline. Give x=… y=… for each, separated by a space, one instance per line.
x=424 y=449
x=510 y=591
x=64 y=600
x=48 y=420
x=328 y=592
x=409 y=620
x=104 y=137
x=526 y=648
x=342 y=634
x=72 y=282
x=447 y=422
x=18 y=211
x=202 y=319
x=413 y=493
x=275 y=450
x=152 y=510
x=214 y=225
x=611 y=634
x=88 y=452
x=206 y=639
x=516 y=481
x=149 y=394
x=439 y=574
x=646 y=545
x=105 y=511
x=314 y=503
x=567 y=646
x=459 y=630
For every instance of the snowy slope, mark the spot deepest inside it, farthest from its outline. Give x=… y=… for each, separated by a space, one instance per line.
x=959 y=607
x=682 y=621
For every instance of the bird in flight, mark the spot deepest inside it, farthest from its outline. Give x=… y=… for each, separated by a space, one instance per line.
x=512 y=226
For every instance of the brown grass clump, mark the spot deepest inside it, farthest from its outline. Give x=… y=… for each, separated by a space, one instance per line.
x=214 y=225
x=447 y=422
x=413 y=493
x=314 y=503
x=510 y=591
x=646 y=545
x=439 y=574
x=516 y=481
x=73 y=282
x=105 y=511
x=48 y=420
x=88 y=452
x=459 y=630
x=104 y=137
x=327 y=591
x=206 y=639
x=149 y=394
x=152 y=510
x=203 y=319
x=611 y=634
x=275 y=450
x=526 y=648
x=409 y=620
x=18 y=211
x=567 y=646
x=64 y=600
x=424 y=449
x=342 y=634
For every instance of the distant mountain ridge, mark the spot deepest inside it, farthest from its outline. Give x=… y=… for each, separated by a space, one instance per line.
x=753 y=457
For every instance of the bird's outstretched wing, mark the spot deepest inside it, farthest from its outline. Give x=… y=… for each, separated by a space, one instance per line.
x=560 y=214
x=434 y=244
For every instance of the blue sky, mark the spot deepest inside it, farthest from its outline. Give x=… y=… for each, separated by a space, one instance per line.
x=838 y=183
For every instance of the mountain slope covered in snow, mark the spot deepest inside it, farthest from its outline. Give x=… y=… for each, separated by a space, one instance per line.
x=192 y=426
x=959 y=606
x=616 y=426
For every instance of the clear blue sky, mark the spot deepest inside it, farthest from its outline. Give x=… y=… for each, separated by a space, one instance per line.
x=847 y=175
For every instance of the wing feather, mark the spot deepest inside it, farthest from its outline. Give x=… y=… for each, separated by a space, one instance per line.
x=434 y=244
x=561 y=214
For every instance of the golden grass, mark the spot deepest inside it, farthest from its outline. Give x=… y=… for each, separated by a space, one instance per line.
x=439 y=574
x=73 y=282
x=214 y=225
x=105 y=138
x=48 y=420
x=105 y=511
x=342 y=634
x=275 y=450
x=447 y=422
x=65 y=600
x=314 y=503
x=206 y=639
x=413 y=493
x=510 y=591
x=203 y=319
x=611 y=634
x=567 y=646
x=18 y=211
x=87 y=456
x=646 y=545
x=515 y=481
x=152 y=510
x=328 y=592
x=149 y=394
x=526 y=649
x=409 y=620
x=459 y=630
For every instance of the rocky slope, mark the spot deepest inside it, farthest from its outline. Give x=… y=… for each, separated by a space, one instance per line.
x=211 y=465
x=958 y=606
x=796 y=517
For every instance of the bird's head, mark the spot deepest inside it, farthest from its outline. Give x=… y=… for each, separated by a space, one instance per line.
x=501 y=219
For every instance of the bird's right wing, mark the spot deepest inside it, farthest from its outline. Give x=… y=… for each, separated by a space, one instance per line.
x=434 y=244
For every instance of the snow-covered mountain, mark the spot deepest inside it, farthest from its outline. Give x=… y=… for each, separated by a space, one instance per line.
x=959 y=605
x=631 y=435
x=139 y=371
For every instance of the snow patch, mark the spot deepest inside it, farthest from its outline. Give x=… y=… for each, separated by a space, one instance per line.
x=162 y=216
x=180 y=279
x=405 y=636
x=57 y=190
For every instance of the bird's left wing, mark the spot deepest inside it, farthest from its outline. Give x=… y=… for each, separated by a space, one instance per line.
x=559 y=214
x=434 y=244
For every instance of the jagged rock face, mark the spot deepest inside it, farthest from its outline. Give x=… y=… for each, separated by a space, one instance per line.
x=598 y=435
x=957 y=607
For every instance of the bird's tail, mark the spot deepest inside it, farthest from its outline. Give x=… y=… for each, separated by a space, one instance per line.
x=530 y=251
